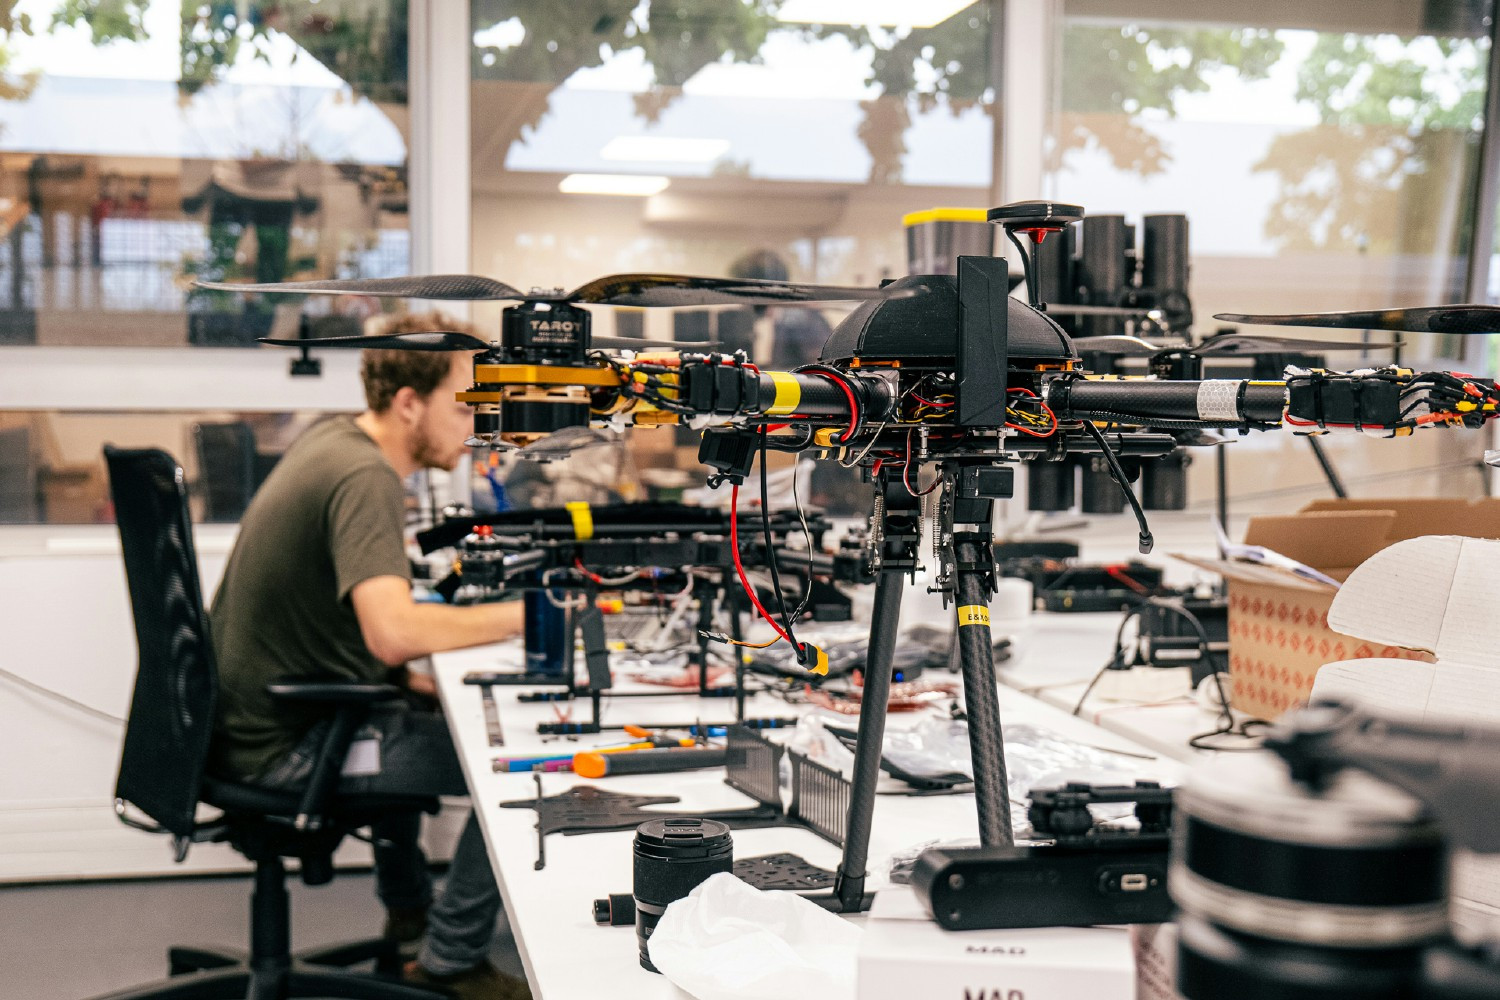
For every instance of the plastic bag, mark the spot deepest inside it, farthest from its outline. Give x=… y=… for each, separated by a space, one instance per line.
x=729 y=941
x=1035 y=757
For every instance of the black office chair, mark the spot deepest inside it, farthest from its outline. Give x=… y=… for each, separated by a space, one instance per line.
x=166 y=748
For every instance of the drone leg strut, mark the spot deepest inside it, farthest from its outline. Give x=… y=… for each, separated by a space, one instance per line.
x=885 y=616
x=899 y=529
x=974 y=573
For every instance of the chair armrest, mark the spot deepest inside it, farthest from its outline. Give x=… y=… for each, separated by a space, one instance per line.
x=324 y=692
x=351 y=705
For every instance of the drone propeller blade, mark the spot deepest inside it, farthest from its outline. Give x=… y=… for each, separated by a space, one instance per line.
x=453 y=287
x=1136 y=312
x=1227 y=344
x=1124 y=347
x=558 y=444
x=424 y=341
x=638 y=344
x=1459 y=318
x=1236 y=344
x=667 y=290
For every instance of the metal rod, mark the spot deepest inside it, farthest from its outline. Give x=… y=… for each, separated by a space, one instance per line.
x=976 y=655
x=705 y=595
x=1486 y=183
x=737 y=632
x=1329 y=472
x=849 y=883
x=1221 y=475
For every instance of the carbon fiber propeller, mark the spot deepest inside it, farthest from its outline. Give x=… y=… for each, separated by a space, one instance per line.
x=1458 y=318
x=451 y=340
x=640 y=290
x=1231 y=344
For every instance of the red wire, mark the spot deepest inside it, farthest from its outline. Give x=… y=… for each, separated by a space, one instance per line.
x=853 y=406
x=586 y=572
x=928 y=402
x=739 y=567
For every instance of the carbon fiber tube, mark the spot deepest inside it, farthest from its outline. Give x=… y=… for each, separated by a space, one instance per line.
x=885 y=615
x=816 y=396
x=976 y=656
x=1210 y=401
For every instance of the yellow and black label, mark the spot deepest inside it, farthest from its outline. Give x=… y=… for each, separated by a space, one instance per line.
x=973 y=614
x=788 y=394
x=583 y=519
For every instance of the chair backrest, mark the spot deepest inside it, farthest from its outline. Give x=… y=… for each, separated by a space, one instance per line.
x=226 y=468
x=176 y=684
x=18 y=474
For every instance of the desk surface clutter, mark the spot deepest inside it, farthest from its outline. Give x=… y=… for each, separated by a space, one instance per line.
x=566 y=954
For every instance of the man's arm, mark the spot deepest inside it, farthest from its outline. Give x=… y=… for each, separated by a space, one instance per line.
x=397 y=628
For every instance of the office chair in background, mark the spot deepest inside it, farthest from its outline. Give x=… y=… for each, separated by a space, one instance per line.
x=166 y=749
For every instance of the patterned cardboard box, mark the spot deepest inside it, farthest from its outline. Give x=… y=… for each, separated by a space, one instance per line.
x=1278 y=622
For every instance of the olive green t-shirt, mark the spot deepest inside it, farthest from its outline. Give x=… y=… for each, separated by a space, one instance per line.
x=328 y=517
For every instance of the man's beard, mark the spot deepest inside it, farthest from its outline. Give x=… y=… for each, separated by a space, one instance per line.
x=430 y=454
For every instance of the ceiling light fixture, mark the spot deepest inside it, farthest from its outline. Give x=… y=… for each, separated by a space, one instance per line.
x=636 y=185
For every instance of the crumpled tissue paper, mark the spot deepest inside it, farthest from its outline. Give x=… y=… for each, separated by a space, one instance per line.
x=727 y=940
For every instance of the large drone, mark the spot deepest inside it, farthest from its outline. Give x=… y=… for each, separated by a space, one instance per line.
x=931 y=371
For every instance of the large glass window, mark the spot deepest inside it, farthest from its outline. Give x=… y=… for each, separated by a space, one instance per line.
x=52 y=469
x=146 y=143
x=755 y=138
x=1325 y=157
x=1320 y=169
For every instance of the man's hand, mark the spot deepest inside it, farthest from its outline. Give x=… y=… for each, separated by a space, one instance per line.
x=421 y=683
x=397 y=628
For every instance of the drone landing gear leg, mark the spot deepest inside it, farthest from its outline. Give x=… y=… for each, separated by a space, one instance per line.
x=897 y=521
x=974 y=568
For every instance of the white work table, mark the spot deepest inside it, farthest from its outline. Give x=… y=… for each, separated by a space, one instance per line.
x=1057 y=655
x=565 y=953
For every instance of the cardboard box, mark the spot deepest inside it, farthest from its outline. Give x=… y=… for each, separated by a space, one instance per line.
x=905 y=954
x=1440 y=594
x=1279 y=634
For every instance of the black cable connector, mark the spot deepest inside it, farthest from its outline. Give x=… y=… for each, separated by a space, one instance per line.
x=1147 y=542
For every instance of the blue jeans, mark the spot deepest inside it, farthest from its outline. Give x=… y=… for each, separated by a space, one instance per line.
x=416 y=758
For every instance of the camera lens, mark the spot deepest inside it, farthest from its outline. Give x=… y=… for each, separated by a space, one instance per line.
x=672 y=856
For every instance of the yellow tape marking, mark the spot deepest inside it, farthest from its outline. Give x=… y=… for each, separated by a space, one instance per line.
x=788 y=394
x=583 y=519
x=973 y=614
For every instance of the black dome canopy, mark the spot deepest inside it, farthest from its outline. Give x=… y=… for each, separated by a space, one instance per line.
x=924 y=327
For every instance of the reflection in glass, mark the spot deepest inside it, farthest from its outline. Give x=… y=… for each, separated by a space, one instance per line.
x=1320 y=170
x=147 y=144
x=772 y=146
x=52 y=468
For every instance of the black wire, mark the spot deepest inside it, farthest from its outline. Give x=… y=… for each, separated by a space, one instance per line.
x=1034 y=294
x=1146 y=541
x=1116 y=659
x=794 y=445
x=1227 y=725
x=765 y=526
